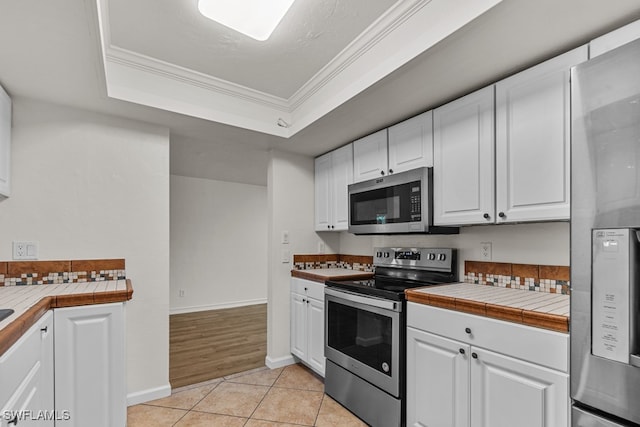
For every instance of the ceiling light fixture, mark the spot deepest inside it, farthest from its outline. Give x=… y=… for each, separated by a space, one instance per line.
x=254 y=18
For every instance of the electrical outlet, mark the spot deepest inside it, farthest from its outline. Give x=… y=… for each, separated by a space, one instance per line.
x=25 y=250
x=485 y=251
x=181 y=293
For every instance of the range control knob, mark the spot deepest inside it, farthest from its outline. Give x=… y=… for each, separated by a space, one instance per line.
x=386 y=254
x=378 y=254
x=432 y=256
x=442 y=257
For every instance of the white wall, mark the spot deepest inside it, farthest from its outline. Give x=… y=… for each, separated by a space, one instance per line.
x=291 y=198
x=218 y=244
x=539 y=243
x=92 y=186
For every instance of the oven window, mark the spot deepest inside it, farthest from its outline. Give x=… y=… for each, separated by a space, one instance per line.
x=361 y=335
x=393 y=204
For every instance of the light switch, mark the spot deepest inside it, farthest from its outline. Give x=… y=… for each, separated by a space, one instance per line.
x=285 y=237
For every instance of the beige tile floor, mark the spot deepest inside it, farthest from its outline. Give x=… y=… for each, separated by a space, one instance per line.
x=286 y=397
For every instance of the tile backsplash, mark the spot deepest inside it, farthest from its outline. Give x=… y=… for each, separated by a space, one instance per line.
x=350 y=262
x=531 y=277
x=21 y=273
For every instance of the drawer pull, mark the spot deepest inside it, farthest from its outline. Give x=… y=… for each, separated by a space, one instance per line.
x=461 y=351
x=467 y=330
x=474 y=355
x=45 y=329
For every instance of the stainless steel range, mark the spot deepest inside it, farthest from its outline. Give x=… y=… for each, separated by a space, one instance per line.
x=365 y=331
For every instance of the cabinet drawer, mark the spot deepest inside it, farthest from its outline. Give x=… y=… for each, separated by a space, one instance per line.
x=540 y=346
x=21 y=358
x=307 y=287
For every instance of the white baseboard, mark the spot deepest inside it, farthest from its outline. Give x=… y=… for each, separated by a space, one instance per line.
x=148 y=395
x=279 y=362
x=234 y=304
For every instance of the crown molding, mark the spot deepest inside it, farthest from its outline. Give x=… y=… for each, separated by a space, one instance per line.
x=370 y=37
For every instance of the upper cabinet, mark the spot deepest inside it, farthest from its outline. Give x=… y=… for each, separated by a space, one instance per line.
x=333 y=174
x=530 y=179
x=407 y=145
x=533 y=119
x=411 y=143
x=5 y=144
x=463 y=156
x=370 y=156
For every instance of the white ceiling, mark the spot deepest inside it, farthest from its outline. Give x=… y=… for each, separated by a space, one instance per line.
x=311 y=34
x=52 y=51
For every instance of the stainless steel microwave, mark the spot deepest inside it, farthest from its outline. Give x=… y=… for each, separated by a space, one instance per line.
x=401 y=203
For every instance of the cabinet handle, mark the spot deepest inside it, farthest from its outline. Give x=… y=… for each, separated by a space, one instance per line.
x=461 y=351
x=381 y=172
x=45 y=329
x=486 y=216
x=467 y=330
x=474 y=355
x=14 y=421
x=502 y=215
x=390 y=170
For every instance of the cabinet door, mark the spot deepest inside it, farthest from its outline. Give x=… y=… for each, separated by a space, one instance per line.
x=298 y=326
x=26 y=373
x=507 y=392
x=463 y=162
x=342 y=174
x=370 y=156
x=533 y=141
x=323 y=186
x=315 y=334
x=5 y=144
x=437 y=381
x=411 y=143
x=89 y=368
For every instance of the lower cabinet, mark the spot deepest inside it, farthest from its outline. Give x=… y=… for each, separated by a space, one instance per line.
x=90 y=365
x=462 y=382
x=26 y=378
x=307 y=323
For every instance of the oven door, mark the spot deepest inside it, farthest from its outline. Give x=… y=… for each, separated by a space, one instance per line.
x=363 y=336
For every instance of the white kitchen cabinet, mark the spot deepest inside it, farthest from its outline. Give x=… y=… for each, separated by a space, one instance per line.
x=533 y=141
x=307 y=323
x=443 y=400
x=90 y=365
x=411 y=143
x=471 y=371
x=333 y=174
x=26 y=378
x=5 y=144
x=402 y=147
x=463 y=160
x=370 y=156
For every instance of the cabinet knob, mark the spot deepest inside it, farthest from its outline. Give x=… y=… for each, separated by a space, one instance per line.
x=332 y=227
x=461 y=351
x=467 y=330
x=307 y=301
x=305 y=289
x=304 y=300
x=390 y=170
x=381 y=172
x=486 y=216
x=502 y=215
x=474 y=355
x=328 y=226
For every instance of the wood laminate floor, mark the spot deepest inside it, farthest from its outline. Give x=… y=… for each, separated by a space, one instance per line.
x=213 y=344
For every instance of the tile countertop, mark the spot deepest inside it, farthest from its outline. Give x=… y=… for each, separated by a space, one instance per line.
x=539 y=309
x=31 y=302
x=322 y=274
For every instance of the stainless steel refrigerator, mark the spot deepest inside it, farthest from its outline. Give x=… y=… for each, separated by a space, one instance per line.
x=605 y=240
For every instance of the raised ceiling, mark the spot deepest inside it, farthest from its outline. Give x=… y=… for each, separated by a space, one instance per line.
x=163 y=54
x=310 y=35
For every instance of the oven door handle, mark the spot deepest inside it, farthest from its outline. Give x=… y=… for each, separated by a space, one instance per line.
x=372 y=301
